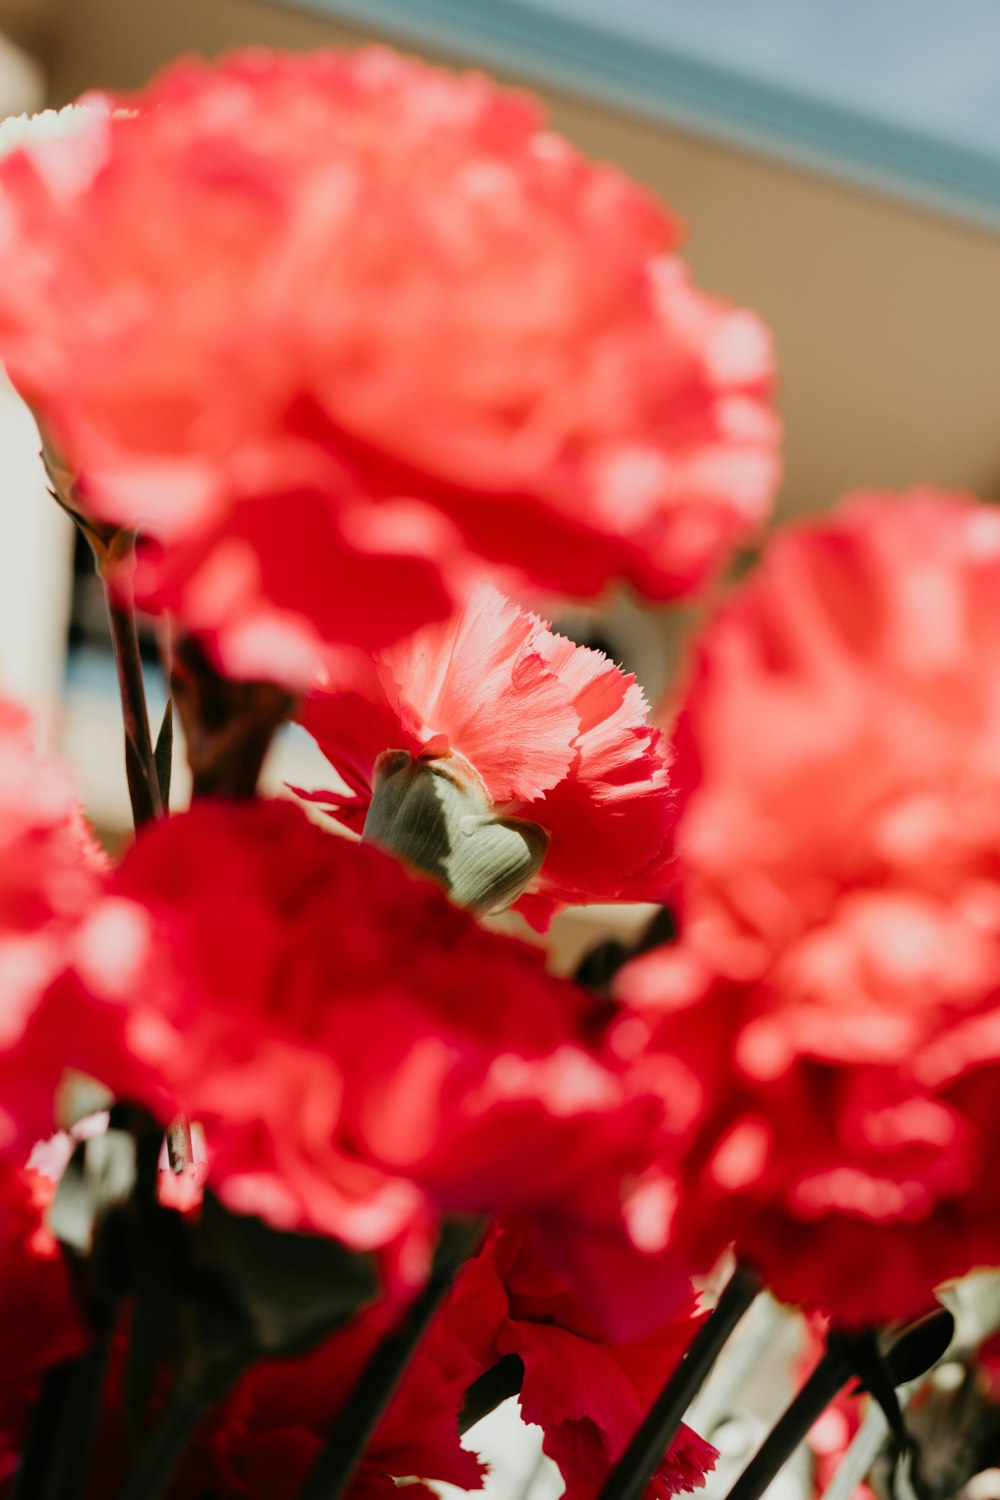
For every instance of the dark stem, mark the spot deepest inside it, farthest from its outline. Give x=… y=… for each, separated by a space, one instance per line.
x=144 y=783
x=494 y=1386
x=363 y=1411
x=830 y=1375
x=61 y=1435
x=111 y=547
x=167 y=1446
x=228 y=725
x=644 y=1454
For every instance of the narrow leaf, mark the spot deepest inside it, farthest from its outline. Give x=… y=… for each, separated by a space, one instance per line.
x=163 y=754
x=100 y=1176
x=272 y=1292
x=494 y=1386
x=919 y=1347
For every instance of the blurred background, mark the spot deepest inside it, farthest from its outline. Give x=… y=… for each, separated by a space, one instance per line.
x=838 y=169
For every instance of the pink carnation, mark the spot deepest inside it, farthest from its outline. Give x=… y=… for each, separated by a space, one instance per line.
x=827 y=1033
x=556 y=733
x=50 y=871
x=324 y=325
x=359 y=1053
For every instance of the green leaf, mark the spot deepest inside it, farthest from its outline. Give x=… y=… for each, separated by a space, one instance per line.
x=101 y=1206
x=270 y=1292
x=918 y=1348
x=163 y=754
x=101 y=1176
x=494 y=1386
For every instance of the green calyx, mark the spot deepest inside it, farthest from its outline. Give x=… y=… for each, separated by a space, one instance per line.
x=436 y=814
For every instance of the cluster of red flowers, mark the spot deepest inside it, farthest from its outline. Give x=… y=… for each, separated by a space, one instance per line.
x=309 y=1002
x=838 y=884
x=586 y=1392
x=324 y=349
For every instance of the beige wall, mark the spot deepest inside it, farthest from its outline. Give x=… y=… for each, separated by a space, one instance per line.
x=887 y=319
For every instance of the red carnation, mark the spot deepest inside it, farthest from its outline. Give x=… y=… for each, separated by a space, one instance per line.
x=586 y=1392
x=827 y=1034
x=552 y=733
x=324 y=325
x=39 y=1323
x=359 y=1052
x=262 y=1443
x=49 y=877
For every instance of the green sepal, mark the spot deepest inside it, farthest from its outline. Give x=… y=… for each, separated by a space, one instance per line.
x=436 y=815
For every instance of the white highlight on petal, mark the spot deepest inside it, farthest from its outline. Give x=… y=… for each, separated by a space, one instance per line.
x=111 y=947
x=27 y=130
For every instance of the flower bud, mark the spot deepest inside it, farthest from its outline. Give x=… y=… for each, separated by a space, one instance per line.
x=436 y=814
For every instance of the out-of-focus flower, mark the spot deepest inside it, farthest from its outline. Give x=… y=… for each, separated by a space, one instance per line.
x=359 y=1053
x=50 y=874
x=327 y=326
x=39 y=1323
x=828 y=1441
x=541 y=731
x=262 y=1443
x=827 y=1032
x=587 y=1393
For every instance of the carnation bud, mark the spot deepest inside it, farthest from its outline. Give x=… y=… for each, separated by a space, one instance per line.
x=436 y=814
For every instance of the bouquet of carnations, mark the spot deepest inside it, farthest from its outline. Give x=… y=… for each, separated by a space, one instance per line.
x=345 y=367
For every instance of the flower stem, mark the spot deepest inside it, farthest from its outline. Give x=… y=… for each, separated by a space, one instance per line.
x=140 y=762
x=159 y=1462
x=228 y=725
x=111 y=546
x=825 y=1382
x=54 y=1461
x=637 y=1465
x=363 y=1411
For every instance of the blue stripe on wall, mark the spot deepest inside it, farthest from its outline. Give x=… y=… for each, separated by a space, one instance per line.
x=900 y=95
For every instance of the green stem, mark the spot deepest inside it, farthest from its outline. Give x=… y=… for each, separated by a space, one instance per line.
x=171 y=1436
x=829 y=1377
x=228 y=726
x=111 y=546
x=630 y=1476
x=54 y=1461
x=363 y=1411
x=140 y=761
